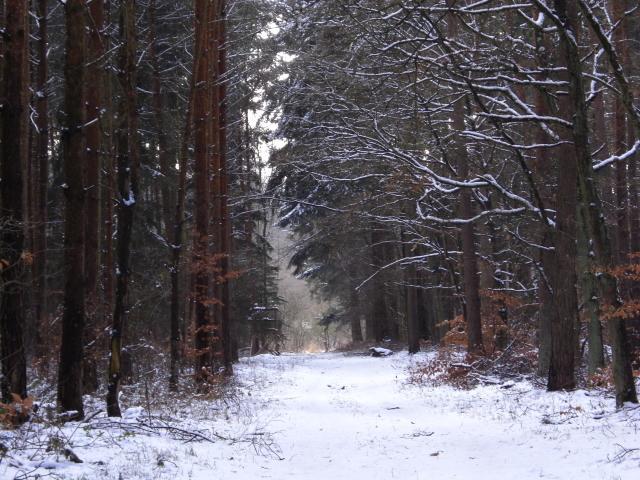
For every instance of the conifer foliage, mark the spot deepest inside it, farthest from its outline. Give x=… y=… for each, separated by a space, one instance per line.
x=443 y=153
x=131 y=202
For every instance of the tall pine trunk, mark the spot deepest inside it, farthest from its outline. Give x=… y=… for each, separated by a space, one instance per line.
x=224 y=226
x=620 y=122
x=41 y=182
x=14 y=153
x=164 y=144
x=108 y=186
x=177 y=243
x=95 y=51
x=128 y=166
x=471 y=278
x=95 y=106
x=200 y=269
x=563 y=271
x=595 y=225
x=74 y=157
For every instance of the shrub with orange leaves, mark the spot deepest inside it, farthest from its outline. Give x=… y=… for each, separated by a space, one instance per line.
x=631 y=309
x=447 y=367
x=456 y=331
x=628 y=276
x=17 y=412
x=496 y=331
x=602 y=378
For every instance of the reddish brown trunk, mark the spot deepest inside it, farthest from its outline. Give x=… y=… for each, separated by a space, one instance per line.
x=563 y=274
x=223 y=197
x=215 y=200
x=202 y=113
x=633 y=67
x=13 y=157
x=93 y=132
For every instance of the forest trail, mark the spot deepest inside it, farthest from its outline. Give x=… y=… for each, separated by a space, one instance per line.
x=354 y=417
x=339 y=417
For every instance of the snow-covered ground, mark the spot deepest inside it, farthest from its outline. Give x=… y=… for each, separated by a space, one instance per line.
x=334 y=416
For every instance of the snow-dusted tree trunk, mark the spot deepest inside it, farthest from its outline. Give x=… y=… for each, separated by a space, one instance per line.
x=128 y=162
x=41 y=182
x=592 y=211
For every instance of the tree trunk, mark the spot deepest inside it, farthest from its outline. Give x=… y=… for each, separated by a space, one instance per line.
x=223 y=196
x=173 y=223
x=200 y=268
x=589 y=296
x=164 y=151
x=592 y=211
x=633 y=67
x=472 y=306
x=620 y=122
x=14 y=153
x=93 y=130
x=541 y=168
x=563 y=281
x=108 y=188
x=74 y=156
x=220 y=233
x=563 y=275
x=178 y=237
x=95 y=51
x=42 y=160
x=472 y=310
x=411 y=300
x=354 y=312
x=377 y=316
x=128 y=165
x=633 y=36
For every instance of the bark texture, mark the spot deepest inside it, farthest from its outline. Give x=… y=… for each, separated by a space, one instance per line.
x=128 y=166
x=12 y=239
x=74 y=157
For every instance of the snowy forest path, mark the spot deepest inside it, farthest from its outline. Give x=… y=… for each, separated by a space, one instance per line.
x=341 y=417
x=355 y=417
